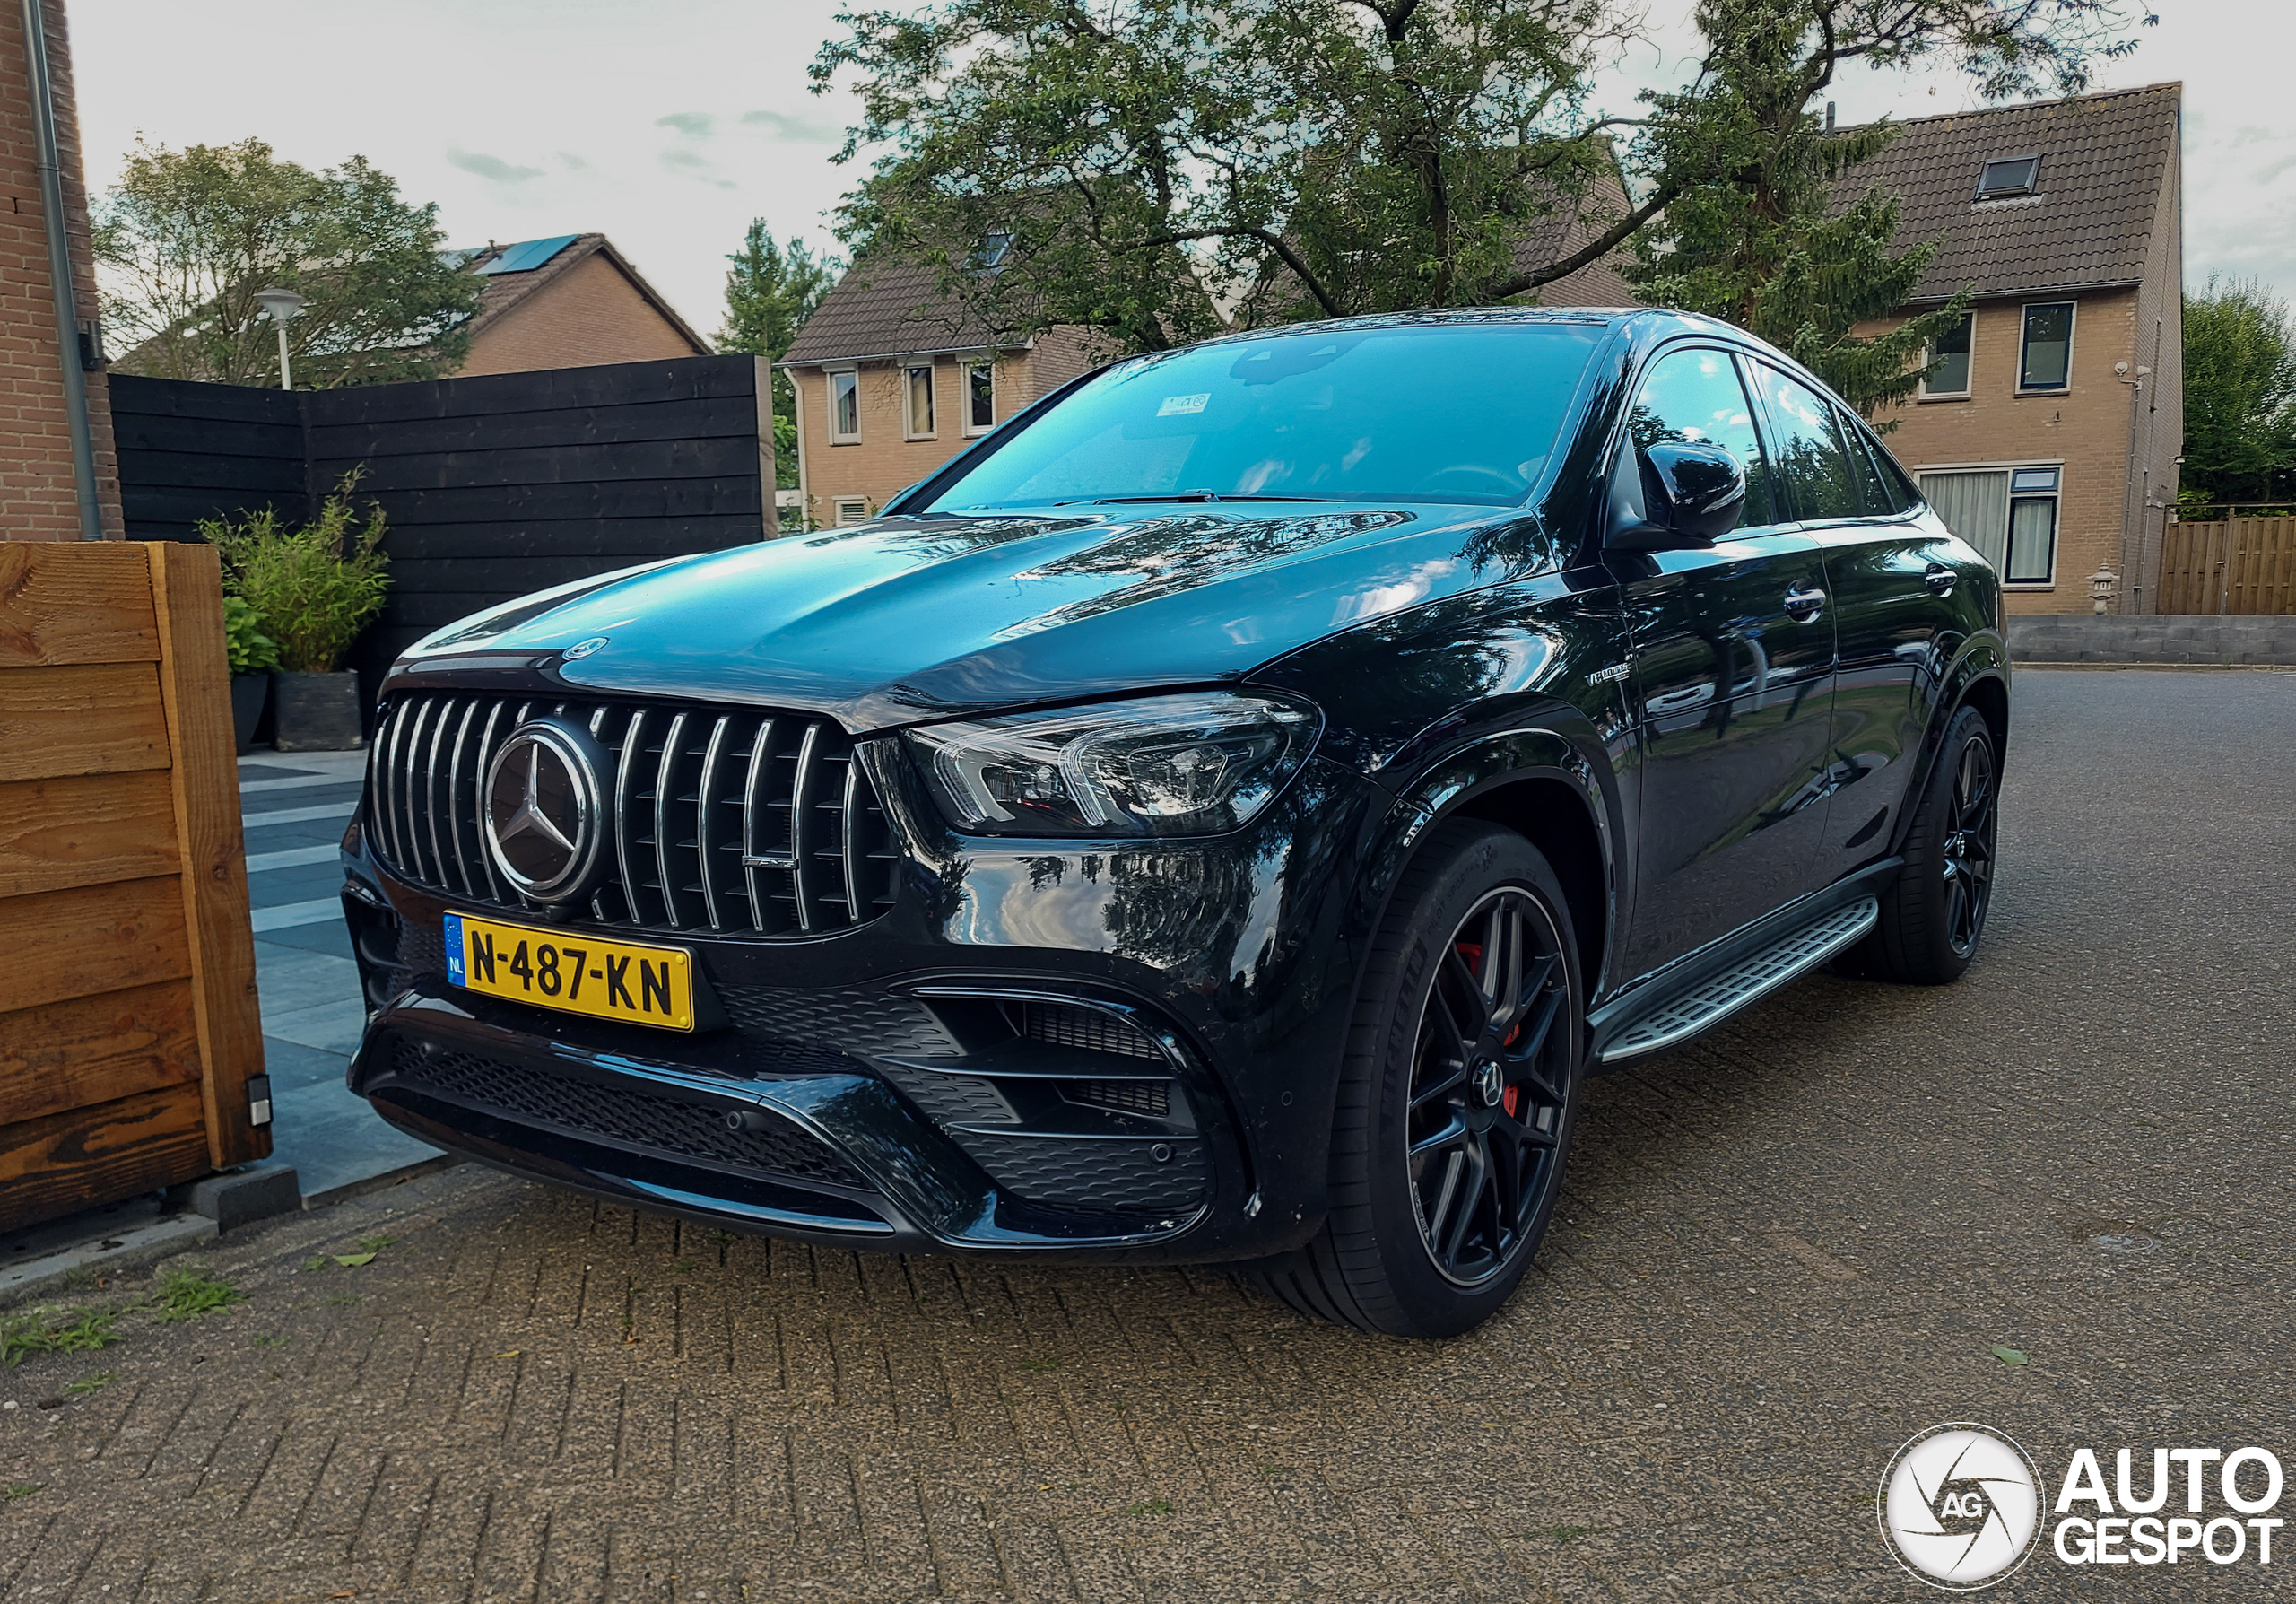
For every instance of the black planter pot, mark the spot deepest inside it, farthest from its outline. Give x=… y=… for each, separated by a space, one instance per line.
x=315 y=712
x=249 y=693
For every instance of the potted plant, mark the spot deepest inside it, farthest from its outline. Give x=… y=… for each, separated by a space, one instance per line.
x=253 y=655
x=316 y=587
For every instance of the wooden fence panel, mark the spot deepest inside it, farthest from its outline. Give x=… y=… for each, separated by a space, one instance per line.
x=2241 y=565
x=128 y=1026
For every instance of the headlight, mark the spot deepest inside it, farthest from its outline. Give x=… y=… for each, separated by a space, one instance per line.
x=1193 y=764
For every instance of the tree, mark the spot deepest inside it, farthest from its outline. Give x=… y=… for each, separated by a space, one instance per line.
x=186 y=237
x=1751 y=235
x=1138 y=161
x=770 y=291
x=2240 y=397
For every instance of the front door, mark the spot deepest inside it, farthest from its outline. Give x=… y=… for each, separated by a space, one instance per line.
x=1733 y=670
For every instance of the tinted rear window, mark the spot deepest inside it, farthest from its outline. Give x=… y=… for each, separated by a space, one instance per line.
x=1446 y=414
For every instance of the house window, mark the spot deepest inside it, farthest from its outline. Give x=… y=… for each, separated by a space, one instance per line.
x=980 y=397
x=850 y=510
x=993 y=247
x=2009 y=514
x=1949 y=374
x=845 y=406
x=2010 y=175
x=916 y=402
x=2045 y=362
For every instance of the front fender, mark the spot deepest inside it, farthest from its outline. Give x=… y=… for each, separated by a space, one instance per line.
x=1465 y=779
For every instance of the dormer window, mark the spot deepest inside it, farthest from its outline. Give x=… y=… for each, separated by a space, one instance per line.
x=2010 y=175
x=992 y=251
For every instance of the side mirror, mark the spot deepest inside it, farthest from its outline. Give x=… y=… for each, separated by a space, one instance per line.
x=1693 y=493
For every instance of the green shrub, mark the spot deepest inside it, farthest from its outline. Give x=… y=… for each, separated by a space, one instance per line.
x=315 y=586
x=251 y=651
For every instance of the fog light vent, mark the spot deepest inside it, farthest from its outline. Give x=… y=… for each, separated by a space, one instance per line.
x=1129 y=1096
x=1060 y=1024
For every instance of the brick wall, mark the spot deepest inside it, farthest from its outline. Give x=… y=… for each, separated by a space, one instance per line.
x=38 y=499
x=588 y=316
x=2086 y=427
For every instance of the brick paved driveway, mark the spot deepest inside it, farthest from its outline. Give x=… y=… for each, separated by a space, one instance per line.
x=1782 y=1252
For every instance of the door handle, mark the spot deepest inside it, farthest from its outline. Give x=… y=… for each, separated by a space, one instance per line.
x=1804 y=603
x=1938 y=579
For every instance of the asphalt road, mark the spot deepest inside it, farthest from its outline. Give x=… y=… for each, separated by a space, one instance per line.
x=1784 y=1252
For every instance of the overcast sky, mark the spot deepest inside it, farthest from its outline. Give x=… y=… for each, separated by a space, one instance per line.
x=668 y=125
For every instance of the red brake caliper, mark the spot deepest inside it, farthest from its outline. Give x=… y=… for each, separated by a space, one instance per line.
x=1472 y=951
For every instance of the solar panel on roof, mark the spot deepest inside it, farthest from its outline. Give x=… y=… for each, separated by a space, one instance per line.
x=527 y=254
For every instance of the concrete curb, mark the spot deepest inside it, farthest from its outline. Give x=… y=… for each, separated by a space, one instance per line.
x=36 y=1279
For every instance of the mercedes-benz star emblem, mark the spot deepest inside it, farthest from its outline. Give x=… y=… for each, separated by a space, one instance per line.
x=540 y=810
x=583 y=648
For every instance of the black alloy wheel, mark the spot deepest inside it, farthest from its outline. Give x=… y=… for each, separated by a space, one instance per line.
x=1457 y=1095
x=1968 y=849
x=1488 y=1087
x=1933 y=909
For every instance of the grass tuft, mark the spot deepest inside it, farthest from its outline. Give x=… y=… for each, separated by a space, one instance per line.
x=40 y=1332
x=187 y=1294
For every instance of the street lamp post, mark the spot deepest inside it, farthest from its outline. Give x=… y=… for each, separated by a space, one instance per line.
x=282 y=304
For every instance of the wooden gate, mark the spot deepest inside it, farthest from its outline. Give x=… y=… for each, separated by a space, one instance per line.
x=128 y=1026
x=2245 y=565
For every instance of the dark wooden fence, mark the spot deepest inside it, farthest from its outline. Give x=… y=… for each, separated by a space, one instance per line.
x=493 y=485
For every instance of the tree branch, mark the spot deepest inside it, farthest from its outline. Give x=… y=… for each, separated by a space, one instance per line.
x=1268 y=237
x=1594 y=251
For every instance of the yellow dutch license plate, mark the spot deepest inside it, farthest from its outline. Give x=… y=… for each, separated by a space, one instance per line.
x=572 y=971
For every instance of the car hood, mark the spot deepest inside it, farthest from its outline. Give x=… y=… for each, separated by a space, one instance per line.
x=910 y=619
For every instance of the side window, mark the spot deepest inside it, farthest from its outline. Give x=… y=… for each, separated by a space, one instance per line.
x=1813 y=468
x=1695 y=396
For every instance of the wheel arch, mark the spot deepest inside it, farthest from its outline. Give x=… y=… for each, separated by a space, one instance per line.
x=1541 y=786
x=1979 y=678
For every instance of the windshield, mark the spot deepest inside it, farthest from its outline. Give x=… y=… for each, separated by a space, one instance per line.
x=1447 y=413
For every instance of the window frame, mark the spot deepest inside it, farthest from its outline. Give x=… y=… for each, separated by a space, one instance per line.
x=2031 y=186
x=2024 y=344
x=2009 y=470
x=843 y=382
x=972 y=426
x=1969 y=367
x=908 y=429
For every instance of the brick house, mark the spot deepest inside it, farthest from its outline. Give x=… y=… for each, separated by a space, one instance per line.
x=569 y=301
x=2049 y=439
x=893 y=379
x=40 y=497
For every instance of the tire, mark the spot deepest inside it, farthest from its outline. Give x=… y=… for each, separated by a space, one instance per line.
x=1933 y=913
x=1430 y=1244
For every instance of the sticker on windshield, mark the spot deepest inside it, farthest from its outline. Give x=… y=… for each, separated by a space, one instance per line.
x=1174 y=406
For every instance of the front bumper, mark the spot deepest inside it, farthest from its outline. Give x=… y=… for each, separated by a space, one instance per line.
x=1126 y=1053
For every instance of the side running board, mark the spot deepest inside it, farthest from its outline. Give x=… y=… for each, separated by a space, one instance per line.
x=1716 y=999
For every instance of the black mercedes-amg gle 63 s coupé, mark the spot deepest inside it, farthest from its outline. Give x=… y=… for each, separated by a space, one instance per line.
x=1226 y=814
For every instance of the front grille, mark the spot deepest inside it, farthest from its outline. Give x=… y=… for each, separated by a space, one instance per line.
x=720 y=820
x=622 y=1115
x=1094 y=1176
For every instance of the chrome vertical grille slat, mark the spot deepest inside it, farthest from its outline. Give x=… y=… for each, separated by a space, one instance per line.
x=486 y=756
x=752 y=782
x=703 y=802
x=810 y=854
x=665 y=793
x=431 y=802
x=455 y=813
x=624 y=826
x=801 y=792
